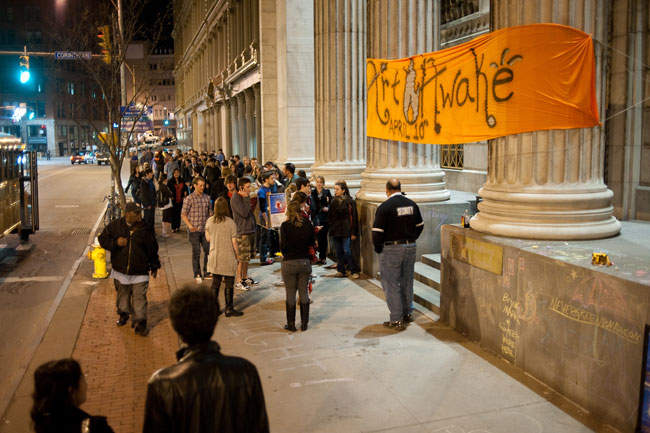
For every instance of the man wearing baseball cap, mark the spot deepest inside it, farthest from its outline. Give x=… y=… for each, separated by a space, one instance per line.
x=134 y=254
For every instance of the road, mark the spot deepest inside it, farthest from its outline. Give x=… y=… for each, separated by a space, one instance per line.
x=71 y=201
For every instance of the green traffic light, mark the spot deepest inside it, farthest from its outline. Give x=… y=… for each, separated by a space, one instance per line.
x=24 y=76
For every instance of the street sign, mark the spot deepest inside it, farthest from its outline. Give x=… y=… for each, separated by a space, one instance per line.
x=72 y=55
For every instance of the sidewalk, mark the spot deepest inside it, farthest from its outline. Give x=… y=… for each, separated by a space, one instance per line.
x=346 y=373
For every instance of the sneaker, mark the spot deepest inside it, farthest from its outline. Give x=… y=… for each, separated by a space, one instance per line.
x=207 y=276
x=397 y=325
x=250 y=282
x=408 y=318
x=278 y=254
x=339 y=275
x=198 y=279
x=268 y=261
x=240 y=285
x=355 y=276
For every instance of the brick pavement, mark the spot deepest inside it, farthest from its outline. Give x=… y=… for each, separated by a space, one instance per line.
x=117 y=362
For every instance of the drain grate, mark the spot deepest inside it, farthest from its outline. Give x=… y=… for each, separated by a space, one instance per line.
x=80 y=231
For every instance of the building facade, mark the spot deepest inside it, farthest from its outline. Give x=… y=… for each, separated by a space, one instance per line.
x=64 y=107
x=285 y=80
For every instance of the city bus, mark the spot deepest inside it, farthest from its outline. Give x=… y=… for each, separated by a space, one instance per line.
x=18 y=188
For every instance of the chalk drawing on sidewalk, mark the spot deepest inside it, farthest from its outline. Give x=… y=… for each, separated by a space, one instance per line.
x=321 y=381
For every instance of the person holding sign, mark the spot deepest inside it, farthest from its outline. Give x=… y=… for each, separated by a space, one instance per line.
x=263 y=195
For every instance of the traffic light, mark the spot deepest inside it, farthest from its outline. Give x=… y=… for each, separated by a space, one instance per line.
x=166 y=122
x=104 y=36
x=24 y=68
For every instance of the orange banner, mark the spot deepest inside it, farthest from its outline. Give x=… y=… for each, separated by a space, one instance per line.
x=514 y=80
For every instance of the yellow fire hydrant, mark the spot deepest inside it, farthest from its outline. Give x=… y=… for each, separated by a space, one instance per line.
x=98 y=256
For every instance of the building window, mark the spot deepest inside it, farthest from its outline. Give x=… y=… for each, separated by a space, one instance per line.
x=41 y=108
x=10 y=14
x=63 y=131
x=71 y=87
x=451 y=156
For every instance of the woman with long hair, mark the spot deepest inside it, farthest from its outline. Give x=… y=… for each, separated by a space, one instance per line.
x=179 y=191
x=344 y=229
x=321 y=199
x=59 y=389
x=221 y=232
x=296 y=237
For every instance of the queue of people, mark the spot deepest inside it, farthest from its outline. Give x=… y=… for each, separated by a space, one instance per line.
x=226 y=206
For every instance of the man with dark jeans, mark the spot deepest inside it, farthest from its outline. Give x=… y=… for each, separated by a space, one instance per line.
x=147 y=194
x=134 y=254
x=398 y=223
x=196 y=210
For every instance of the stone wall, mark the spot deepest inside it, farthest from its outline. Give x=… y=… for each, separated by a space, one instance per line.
x=576 y=327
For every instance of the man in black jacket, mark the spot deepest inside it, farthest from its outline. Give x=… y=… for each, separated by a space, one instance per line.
x=134 y=254
x=398 y=223
x=205 y=391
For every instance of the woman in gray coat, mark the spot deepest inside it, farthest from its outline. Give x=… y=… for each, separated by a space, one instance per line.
x=221 y=232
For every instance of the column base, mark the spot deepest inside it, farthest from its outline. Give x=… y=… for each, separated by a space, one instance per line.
x=333 y=171
x=551 y=216
x=421 y=185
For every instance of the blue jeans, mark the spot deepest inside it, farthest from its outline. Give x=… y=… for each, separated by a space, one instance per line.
x=344 y=255
x=198 y=240
x=397 y=264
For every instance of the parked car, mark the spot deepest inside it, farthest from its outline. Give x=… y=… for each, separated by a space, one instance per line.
x=102 y=158
x=82 y=157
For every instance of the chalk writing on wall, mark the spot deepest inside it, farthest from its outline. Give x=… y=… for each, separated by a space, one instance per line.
x=598 y=319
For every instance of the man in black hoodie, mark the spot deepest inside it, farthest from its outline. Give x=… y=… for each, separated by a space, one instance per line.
x=134 y=254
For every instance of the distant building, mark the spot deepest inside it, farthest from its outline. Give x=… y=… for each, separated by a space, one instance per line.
x=62 y=102
x=150 y=74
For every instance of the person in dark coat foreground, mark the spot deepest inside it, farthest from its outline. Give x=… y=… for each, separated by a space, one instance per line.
x=205 y=391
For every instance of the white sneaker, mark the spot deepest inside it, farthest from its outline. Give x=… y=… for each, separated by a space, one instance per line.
x=239 y=285
x=198 y=279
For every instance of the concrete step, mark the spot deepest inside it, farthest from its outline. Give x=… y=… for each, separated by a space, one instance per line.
x=427 y=275
x=432 y=260
x=426 y=296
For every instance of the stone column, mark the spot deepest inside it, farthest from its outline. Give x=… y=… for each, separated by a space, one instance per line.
x=250 y=148
x=258 y=122
x=218 y=127
x=234 y=129
x=241 y=139
x=226 y=137
x=339 y=77
x=398 y=29
x=295 y=82
x=549 y=184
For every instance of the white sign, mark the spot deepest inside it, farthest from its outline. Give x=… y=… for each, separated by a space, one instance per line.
x=72 y=55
